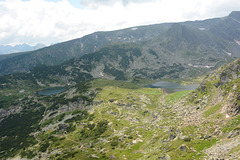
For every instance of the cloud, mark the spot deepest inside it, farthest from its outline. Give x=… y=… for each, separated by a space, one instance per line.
x=96 y=3
x=46 y=21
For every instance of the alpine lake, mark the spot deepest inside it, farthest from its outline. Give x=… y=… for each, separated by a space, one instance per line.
x=171 y=87
x=52 y=91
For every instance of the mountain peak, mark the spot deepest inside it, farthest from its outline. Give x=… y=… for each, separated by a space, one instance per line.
x=176 y=30
x=235 y=15
x=181 y=33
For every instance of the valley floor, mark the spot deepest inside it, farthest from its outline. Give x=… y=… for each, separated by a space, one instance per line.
x=120 y=120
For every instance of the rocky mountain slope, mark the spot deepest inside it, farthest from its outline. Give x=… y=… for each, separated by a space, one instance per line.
x=214 y=110
x=181 y=52
x=108 y=119
x=59 y=53
x=214 y=35
x=106 y=113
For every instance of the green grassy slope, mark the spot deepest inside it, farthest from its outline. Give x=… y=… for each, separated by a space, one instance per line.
x=109 y=119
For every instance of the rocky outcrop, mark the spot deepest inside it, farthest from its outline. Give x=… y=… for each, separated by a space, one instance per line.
x=234 y=133
x=221 y=86
x=4 y=113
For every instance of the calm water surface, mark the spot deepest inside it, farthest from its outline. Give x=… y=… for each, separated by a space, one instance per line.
x=172 y=87
x=51 y=91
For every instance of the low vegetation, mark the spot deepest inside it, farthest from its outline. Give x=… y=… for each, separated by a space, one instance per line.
x=110 y=119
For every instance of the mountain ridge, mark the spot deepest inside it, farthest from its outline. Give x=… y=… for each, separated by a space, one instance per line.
x=6 y=49
x=180 y=53
x=59 y=53
x=106 y=110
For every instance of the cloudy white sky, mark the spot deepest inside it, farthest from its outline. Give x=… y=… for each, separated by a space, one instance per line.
x=52 y=21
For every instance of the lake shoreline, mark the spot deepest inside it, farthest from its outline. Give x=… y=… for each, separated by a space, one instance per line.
x=171 y=87
x=51 y=91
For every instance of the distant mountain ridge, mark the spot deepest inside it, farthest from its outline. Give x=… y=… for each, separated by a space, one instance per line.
x=6 y=49
x=196 y=39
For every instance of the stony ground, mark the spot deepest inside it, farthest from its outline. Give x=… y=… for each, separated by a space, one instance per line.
x=124 y=121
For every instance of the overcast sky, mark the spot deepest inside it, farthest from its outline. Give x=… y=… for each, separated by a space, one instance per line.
x=52 y=21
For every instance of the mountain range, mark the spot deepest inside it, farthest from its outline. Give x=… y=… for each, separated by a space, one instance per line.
x=105 y=108
x=205 y=39
x=6 y=49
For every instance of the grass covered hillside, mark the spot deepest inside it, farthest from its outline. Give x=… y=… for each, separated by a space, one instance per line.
x=214 y=110
x=105 y=119
x=110 y=119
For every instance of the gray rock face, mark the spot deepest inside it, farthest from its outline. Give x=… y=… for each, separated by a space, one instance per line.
x=165 y=157
x=183 y=148
x=172 y=136
x=63 y=127
x=186 y=139
x=234 y=133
